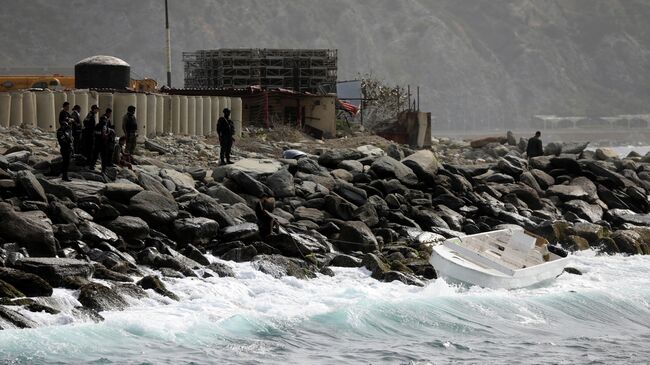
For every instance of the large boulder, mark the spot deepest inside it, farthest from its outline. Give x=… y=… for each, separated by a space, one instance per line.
x=387 y=167
x=130 y=228
x=101 y=298
x=26 y=181
x=351 y=193
x=249 y=185
x=224 y=195
x=606 y=153
x=180 y=179
x=122 y=191
x=31 y=230
x=93 y=232
x=331 y=158
x=29 y=284
x=195 y=230
x=154 y=283
x=203 y=205
x=424 y=164
x=154 y=208
x=55 y=270
x=296 y=245
x=281 y=183
x=568 y=192
x=154 y=184
x=590 y=212
x=278 y=266
x=355 y=236
x=9 y=318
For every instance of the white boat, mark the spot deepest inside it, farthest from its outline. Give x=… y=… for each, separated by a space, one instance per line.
x=504 y=259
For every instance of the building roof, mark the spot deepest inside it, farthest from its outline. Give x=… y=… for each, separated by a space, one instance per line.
x=103 y=60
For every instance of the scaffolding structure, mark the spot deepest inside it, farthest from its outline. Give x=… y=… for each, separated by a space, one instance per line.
x=302 y=70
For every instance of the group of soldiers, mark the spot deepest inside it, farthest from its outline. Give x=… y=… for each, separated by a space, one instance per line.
x=96 y=141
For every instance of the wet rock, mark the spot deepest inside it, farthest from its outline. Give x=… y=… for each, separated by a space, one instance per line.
x=203 y=205
x=572 y=271
x=388 y=167
x=242 y=212
x=424 y=164
x=375 y=265
x=628 y=241
x=311 y=214
x=29 y=284
x=355 y=236
x=154 y=208
x=614 y=179
x=54 y=270
x=343 y=260
x=8 y=291
x=101 y=272
x=281 y=183
x=193 y=253
x=509 y=168
x=620 y=216
x=14 y=319
x=101 y=298
x=239 y=232
x=240 y=254
x=296 y=245
x=407 y=279
x=195 y=230
x=222 y=270
x=589 y=231
x=568 y=192
x=154 y=283
x=130 y=228
x=278 y=266
x=61 y=214
x=57 y=189
x=31 y=230
x=93 y=232
x=28 y=183
x=339 y=207
x=590 y=212
x=74 y=282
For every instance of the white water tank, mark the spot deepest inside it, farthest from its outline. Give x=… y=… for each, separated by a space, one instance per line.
x=198 y=129
x=160 y=113
x=93 y=99
x=236 y=105
x=152 y=108
x=16 y=112
x=5 y=109
x=207 y=115
x=45 y=110
x=223 y=103
x=81 y=98
x=70 y=97
x=141 y=115
x=216 y=112
x=106 y=101
x=182 y=129
x=29 y=109
x=59 y=98
x=191 y=115
x=175 y=115
x=121 y=102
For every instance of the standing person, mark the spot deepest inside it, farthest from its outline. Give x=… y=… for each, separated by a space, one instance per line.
x=534 y=147
x=64 y=114
x=99 y=142
x=226 y=132
x=65 y=139
x=76 y=129
x=130 y=128
x=87 y=134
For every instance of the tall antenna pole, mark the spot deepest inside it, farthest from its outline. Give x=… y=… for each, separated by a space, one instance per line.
x=168 y=48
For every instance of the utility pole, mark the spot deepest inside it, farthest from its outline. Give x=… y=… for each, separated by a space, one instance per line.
x=168 y=48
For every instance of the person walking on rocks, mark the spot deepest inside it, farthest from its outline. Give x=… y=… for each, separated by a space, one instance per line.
x=534 y=147
x=130 y=129
x=75 y=118
x=226 y=132
x=65 y=140
x=87 y=134
x=100 y=138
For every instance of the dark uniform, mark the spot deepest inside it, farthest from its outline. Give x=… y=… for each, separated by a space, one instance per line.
x=76 y=131
x=65 y=139
x=226 y=132
x=130 y=127
x=64 y=116
x=109 y=147
x=534 y=147
x=87 y=136
x=99 y=142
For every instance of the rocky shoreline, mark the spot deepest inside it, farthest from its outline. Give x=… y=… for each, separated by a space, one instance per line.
x=120 y=235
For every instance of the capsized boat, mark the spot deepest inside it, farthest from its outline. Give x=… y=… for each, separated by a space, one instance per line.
x=504 y=259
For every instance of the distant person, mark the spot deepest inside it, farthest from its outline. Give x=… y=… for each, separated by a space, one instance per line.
x=76 y=126
x=87 y=134
x=65 y=140
x=130 y=129
x=64 y=114
x=109 y=147
x=100 y=134
x=265 y=221
x=226 y=132
x=534 y=147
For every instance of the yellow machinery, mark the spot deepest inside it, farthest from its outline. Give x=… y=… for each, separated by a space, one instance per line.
x=60 y=82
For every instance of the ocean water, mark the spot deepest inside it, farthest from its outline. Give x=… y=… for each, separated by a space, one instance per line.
x=601 y=317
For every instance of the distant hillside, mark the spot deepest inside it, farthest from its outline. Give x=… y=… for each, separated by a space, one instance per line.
x=480 y=63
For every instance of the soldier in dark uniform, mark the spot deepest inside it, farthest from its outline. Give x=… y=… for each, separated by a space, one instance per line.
x=130 y=129
x=65 y=139
x=76 y=129
x=64 y=114
x=226 y=132
x=100 y=135
x=87 y=135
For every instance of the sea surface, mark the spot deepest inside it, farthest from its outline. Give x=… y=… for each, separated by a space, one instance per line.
x=601 y=317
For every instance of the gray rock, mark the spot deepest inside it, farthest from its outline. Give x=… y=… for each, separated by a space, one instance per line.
x=590 y=212
x=240 y=254
x=121 y=191
x=154 y=283
x=388 y=167
x=153 y=146
x=333 y=157
x=351 y=193
x=180 y=179
x=31 y=230
x=224 y=195
x=19 y=156
x=281 y=183
x=243 y=212
x=568 y=192
x=203 y=205
x=29 y=284
x=154 y=208
x=296 y=245
x=93 y=232
x=222 y=270
x=59 y=190
x=14 y=319
x=130 y=228
x=375 y=265
x=195 y=230
x=278 y=266
x=243 y=232
x=249 y=185
x=311 y=214
x=553 y=148
x=311 y=167
x=55 y=270
x=355 y=236
x=424 y=164
x=193 y=253
x=351 y=165
x=26 y=181
x=343 y=260
x=543 y=179
x=154 y=184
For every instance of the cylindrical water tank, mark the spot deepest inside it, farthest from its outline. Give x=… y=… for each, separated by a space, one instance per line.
x=151 y=115
x=223 y=103
x=229 y=104
x=191 y=115
x=199 y=116
x=16 y=112
x=59 y=99
x=102 y=72
x=207 y=115
x=182 y=129
x=141 y=115
x=45 y=110
x=105 y=101
x=160 y=114
x=5 y=109
x=29 y=109
x=175 y=115
x=216 y=113
x=121 y=102
x=69 y=96
x=93 y=99
x=236 y=105
x=81 y=98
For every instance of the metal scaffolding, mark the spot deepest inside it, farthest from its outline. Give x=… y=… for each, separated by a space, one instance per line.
x=303 y=70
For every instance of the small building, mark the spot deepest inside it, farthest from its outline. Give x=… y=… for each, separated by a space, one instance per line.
x=411 y=127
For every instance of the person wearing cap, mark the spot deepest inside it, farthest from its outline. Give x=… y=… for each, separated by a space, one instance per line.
x=87 y=134
x=75 y=124
x=130 y=129
x=226 y=132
